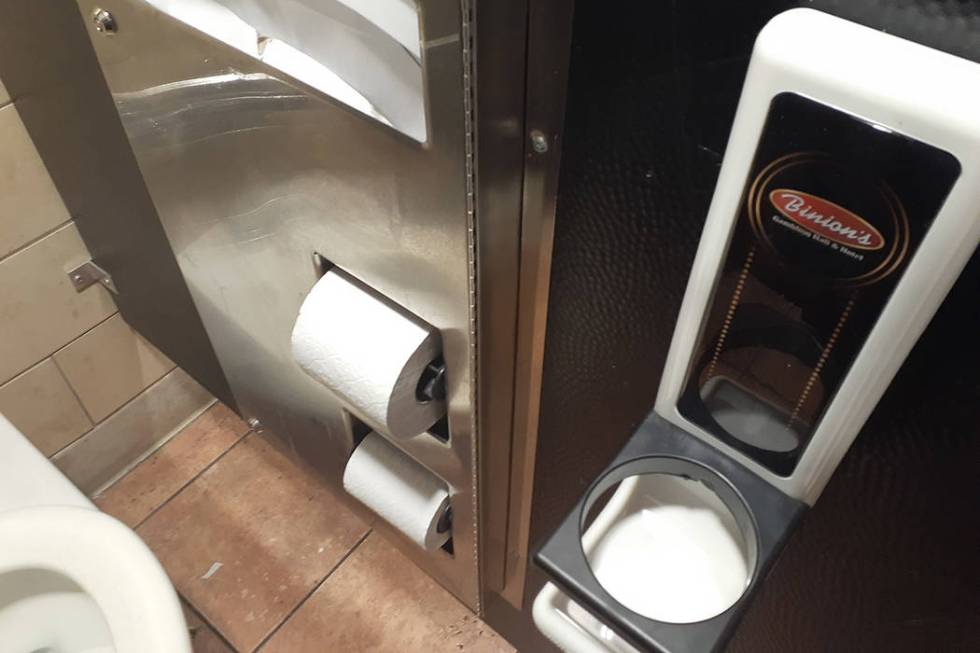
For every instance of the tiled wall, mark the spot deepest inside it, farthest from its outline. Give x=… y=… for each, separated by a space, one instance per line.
x=88 y=391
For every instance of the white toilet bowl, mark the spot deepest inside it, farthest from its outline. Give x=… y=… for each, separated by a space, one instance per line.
x=73 y=579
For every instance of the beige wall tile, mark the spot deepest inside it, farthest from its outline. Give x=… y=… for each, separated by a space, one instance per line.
x=136 y=429
x=40 y=404
x=40 y=311
x=110 y=365
x=29 y=203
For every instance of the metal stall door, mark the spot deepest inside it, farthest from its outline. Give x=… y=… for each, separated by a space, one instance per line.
x=252 y=171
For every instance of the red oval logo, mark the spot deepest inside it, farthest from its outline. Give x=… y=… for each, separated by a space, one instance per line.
x=826 y=219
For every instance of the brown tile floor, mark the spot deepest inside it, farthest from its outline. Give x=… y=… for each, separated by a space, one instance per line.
x=229 y=516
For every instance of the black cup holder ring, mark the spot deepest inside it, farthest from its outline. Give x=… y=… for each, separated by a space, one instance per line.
x=761 y=517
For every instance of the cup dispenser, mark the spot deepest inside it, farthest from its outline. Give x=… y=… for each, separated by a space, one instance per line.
x=845 y=209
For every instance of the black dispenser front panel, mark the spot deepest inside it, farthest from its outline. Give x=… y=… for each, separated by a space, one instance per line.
x=833 y=209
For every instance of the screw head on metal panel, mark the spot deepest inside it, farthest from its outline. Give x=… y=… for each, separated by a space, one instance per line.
x=104 y=21
x=539 y=142
x=254 y=424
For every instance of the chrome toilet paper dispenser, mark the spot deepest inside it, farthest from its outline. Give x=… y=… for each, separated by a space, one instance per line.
x=385 y=365
x=381 y=361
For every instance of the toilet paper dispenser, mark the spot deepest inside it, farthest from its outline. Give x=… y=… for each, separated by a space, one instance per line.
x=382 y=362
x=385 y=365
x=843 y=213
x=400 y=490
x=432 y=381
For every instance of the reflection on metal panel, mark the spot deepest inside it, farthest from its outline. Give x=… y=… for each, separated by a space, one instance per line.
x=364 y=53
x=251 y=172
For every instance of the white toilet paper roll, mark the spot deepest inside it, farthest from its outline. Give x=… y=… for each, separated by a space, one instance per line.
x=369 y=352
x=403 y=492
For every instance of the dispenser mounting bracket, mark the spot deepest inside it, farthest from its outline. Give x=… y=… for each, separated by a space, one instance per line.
x=87 y=274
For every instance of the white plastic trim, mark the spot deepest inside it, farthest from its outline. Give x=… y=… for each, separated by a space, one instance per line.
x=551 y=606
x=911 y=89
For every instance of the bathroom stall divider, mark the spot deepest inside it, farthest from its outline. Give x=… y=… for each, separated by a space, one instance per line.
x=538 y=204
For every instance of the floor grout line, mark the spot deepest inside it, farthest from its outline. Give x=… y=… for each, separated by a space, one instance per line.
x=192 y=479
x=207 y=622
x=265 y=640
x=201 y=615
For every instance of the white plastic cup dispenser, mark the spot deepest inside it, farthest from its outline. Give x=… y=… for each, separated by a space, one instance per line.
x=843 y=214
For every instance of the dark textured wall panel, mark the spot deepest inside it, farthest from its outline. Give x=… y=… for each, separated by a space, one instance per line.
x=888 y=558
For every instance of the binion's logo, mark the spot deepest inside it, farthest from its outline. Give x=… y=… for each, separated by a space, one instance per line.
x=826 y=219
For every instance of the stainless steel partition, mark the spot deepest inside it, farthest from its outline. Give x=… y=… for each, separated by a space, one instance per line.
x=251 y=171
